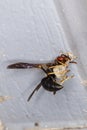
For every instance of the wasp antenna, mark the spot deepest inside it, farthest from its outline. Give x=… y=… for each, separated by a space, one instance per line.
x=73 y=62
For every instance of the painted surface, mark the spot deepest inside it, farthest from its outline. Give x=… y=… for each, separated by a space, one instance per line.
x=32 y=31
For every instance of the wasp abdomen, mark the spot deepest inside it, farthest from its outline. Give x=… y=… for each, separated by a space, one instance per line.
x=49 y=84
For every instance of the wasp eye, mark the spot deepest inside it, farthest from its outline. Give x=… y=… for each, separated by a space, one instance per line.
x=60 y=58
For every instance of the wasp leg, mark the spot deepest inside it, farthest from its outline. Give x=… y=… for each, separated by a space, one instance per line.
x=62 y=63
x=58 y=85
x=66 y=78
x=44 y=70
x=64 y=72
x=50 y=73
x=51 y=67
x=67 y=71
x=36 y=89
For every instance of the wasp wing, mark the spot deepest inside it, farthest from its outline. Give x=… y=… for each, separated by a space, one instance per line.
x=22 y=65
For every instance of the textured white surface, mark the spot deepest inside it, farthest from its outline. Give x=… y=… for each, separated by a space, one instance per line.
x=32 y=31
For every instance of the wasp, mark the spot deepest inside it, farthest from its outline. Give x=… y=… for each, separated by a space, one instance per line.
x=56 y=72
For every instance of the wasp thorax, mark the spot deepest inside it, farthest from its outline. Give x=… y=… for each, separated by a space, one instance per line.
x=59 y=70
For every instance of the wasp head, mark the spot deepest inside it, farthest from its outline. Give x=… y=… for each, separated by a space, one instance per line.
x=66 y=58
